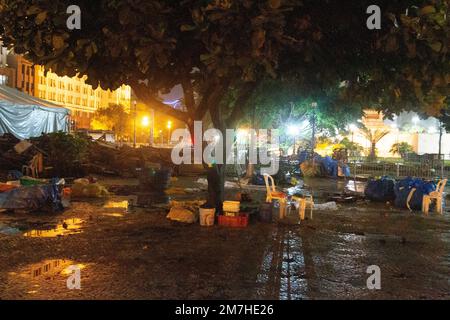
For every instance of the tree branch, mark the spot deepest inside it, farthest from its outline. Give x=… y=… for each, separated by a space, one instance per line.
x=144 y=94
x=240 y=103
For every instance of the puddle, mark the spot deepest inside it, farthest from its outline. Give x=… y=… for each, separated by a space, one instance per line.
x=117 y=207
x=282 y=272
x=67 y=227
x=116 y=204
x=43 y=276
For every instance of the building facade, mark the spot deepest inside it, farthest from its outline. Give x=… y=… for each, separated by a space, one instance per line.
x=24 y=73
x=78 y=96
x=7 y=74
x=73 y=93
x=421 y=134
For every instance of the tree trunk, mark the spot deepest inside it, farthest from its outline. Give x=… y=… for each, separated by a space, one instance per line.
x=250 y=170
x=373 y=151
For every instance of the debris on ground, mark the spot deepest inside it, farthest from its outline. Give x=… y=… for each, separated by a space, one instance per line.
x=327 y=206
x=182 y=214
x=380 y=190
x=83 y=188
x=35 y=197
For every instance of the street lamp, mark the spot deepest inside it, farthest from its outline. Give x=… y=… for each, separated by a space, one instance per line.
x=352 y=127
x=145 y=123
x=313 y=123
x=134 y=126
x=293 y=131
x=169 y=126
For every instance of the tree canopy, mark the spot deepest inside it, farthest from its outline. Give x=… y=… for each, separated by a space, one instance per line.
x=210 y=47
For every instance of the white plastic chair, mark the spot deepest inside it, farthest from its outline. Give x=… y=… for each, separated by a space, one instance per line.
x=302 y=203
x=273 y=194
x=435 y=195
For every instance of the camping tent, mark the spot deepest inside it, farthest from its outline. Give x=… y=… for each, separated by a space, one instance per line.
x=25 y=116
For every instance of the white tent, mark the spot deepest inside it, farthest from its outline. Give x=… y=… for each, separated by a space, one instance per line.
x=25 y=116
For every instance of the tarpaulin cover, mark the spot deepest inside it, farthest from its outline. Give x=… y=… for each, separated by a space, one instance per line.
x=32 y=198
x=409 y=192
x=25 y=116
x=380 y=190
x=328 y=166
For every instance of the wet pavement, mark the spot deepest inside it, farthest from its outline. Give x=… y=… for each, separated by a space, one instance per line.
x=125 y=253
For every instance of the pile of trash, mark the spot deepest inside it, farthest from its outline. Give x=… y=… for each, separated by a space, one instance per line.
x=88 y=188
x=322 y=166
x=98 y=157
x=185 y=211
x=41 y=195
x=407 y=193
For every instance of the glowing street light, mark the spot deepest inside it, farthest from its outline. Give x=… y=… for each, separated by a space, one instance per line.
x=145 y=121
x=293 y=130
x=169 y=126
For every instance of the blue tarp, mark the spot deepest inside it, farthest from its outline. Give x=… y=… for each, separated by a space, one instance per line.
x=33 y=198
x=413 y=188
x=380 y=190
x=328 y=165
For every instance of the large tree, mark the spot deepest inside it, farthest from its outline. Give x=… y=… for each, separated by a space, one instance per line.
x=214 y=47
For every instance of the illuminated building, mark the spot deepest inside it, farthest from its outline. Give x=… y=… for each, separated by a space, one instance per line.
x=24 y=73
x=76 y=95
x=7 y=74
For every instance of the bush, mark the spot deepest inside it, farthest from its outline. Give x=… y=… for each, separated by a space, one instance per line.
x=64 y=152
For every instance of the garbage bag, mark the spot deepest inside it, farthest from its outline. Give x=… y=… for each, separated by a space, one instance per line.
x=410 y=191
x=89 y=190
x=380 y=190
x=14 y=175
x=32 y=198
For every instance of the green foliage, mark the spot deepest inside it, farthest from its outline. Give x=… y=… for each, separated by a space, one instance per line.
x=355 y=149
x=373 y=136
x=113 y=117
x=324 y=47
x=64 y=152
x=401 y=148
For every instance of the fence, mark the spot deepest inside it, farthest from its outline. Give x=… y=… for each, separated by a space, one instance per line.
x=427 y=170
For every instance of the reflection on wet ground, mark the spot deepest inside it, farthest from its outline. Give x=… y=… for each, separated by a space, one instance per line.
x=65 y=228
x=43 y=276
x=282 y=273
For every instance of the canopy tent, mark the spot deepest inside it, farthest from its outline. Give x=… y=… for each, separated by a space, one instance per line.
x=25 y=116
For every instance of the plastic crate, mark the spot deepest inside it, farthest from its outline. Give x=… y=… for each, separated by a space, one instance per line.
x=239 y=221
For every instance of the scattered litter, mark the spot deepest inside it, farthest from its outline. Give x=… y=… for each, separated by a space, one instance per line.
x=22 y=146
x=32 y=198
x=182 y=214
x=6 y=187
x=380 y=190
x=207 y=216
x=328 y=206
x=84 y=189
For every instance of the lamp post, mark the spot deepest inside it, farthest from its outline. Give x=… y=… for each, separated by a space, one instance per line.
x=146 y=123
x=152 y=128
x=169 y=126
x=313 y=124
x=134 y=126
